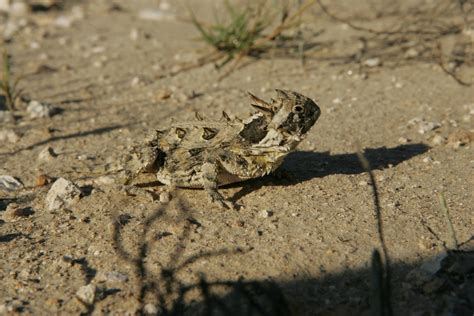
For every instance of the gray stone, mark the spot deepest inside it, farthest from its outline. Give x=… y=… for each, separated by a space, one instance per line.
x=63 y=193
x=150 y=309
x=372 y=62
x=86 y=294
x=9 y=183
x=15 y=212
x=9 y=135
x=47 y=154
x=40 y=110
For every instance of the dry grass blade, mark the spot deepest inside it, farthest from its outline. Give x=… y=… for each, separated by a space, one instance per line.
x=8 y=85
x=5 y=84
x=452 y=232
x=244 y=34
x=382 y=273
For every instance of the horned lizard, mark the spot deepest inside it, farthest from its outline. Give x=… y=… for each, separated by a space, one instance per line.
x=203 y=154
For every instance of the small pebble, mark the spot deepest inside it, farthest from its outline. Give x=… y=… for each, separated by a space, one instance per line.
x=4 y=5
x=150 y=309
x=34 y=45
x=9 y=183
x=134 y=34
x=14 y=212
x=155 y=15
x=10 y=29
x=163 y=94
x=86 y=294
x=18 y=9
x=135 y=82
x=63 y=193
x=427 y=159
x=460 y=138
x=63 y=21
x=165 y=197
x=114 y=276
x=372 y=62
x=47 y=154
x=40 y=110
x=43 y=180
x=437 y=140
x=411 y=53
x=8 y=135
x=425 y=127
x=5 y=116
x=337 y=101
x=265 y=213
x=104 y=180
x=403 y=140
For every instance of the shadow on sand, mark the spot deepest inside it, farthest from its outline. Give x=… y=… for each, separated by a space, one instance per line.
x=301 y=166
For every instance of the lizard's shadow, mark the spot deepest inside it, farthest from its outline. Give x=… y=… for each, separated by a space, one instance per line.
x=306 y=165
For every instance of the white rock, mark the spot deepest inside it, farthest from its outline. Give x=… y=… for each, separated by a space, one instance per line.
x=64 y=21
x=77 y=13
x=6 y=117
x=40 y=110
x=47 y=154
x=134 y=34
x=372 y=62
x=165 y=197
x=164 y=5
x=427 y=159
x=11 y=27
x=135 y=82
x=18 y=9
x=403 y=140
x=15 y=212
x=155 y=15
x=150 y=309
x=104 y=180
x=9 y=183
x=8 y=135
x=414 y=121
x=437 y=140
x=63 y=193
x=34 y=45
x=265 y=213
x=411 y=53
x=337 y=101
x=425 y=127
x=86 y=294
x=4 y=5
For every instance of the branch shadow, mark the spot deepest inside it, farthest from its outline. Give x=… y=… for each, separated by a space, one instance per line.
x=351 y=292
x=301 y=166
x=444 y=290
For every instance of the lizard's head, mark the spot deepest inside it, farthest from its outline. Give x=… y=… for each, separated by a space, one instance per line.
x=290 y=113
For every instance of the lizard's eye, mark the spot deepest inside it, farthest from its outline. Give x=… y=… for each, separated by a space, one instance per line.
x=298 y=109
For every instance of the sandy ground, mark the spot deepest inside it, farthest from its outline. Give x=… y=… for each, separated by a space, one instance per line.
x=311 y=233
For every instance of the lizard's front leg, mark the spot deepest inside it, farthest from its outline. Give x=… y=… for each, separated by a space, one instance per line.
x=209 y=174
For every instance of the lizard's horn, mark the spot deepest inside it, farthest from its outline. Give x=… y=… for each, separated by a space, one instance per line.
x=261 y=105
x=282 y=94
